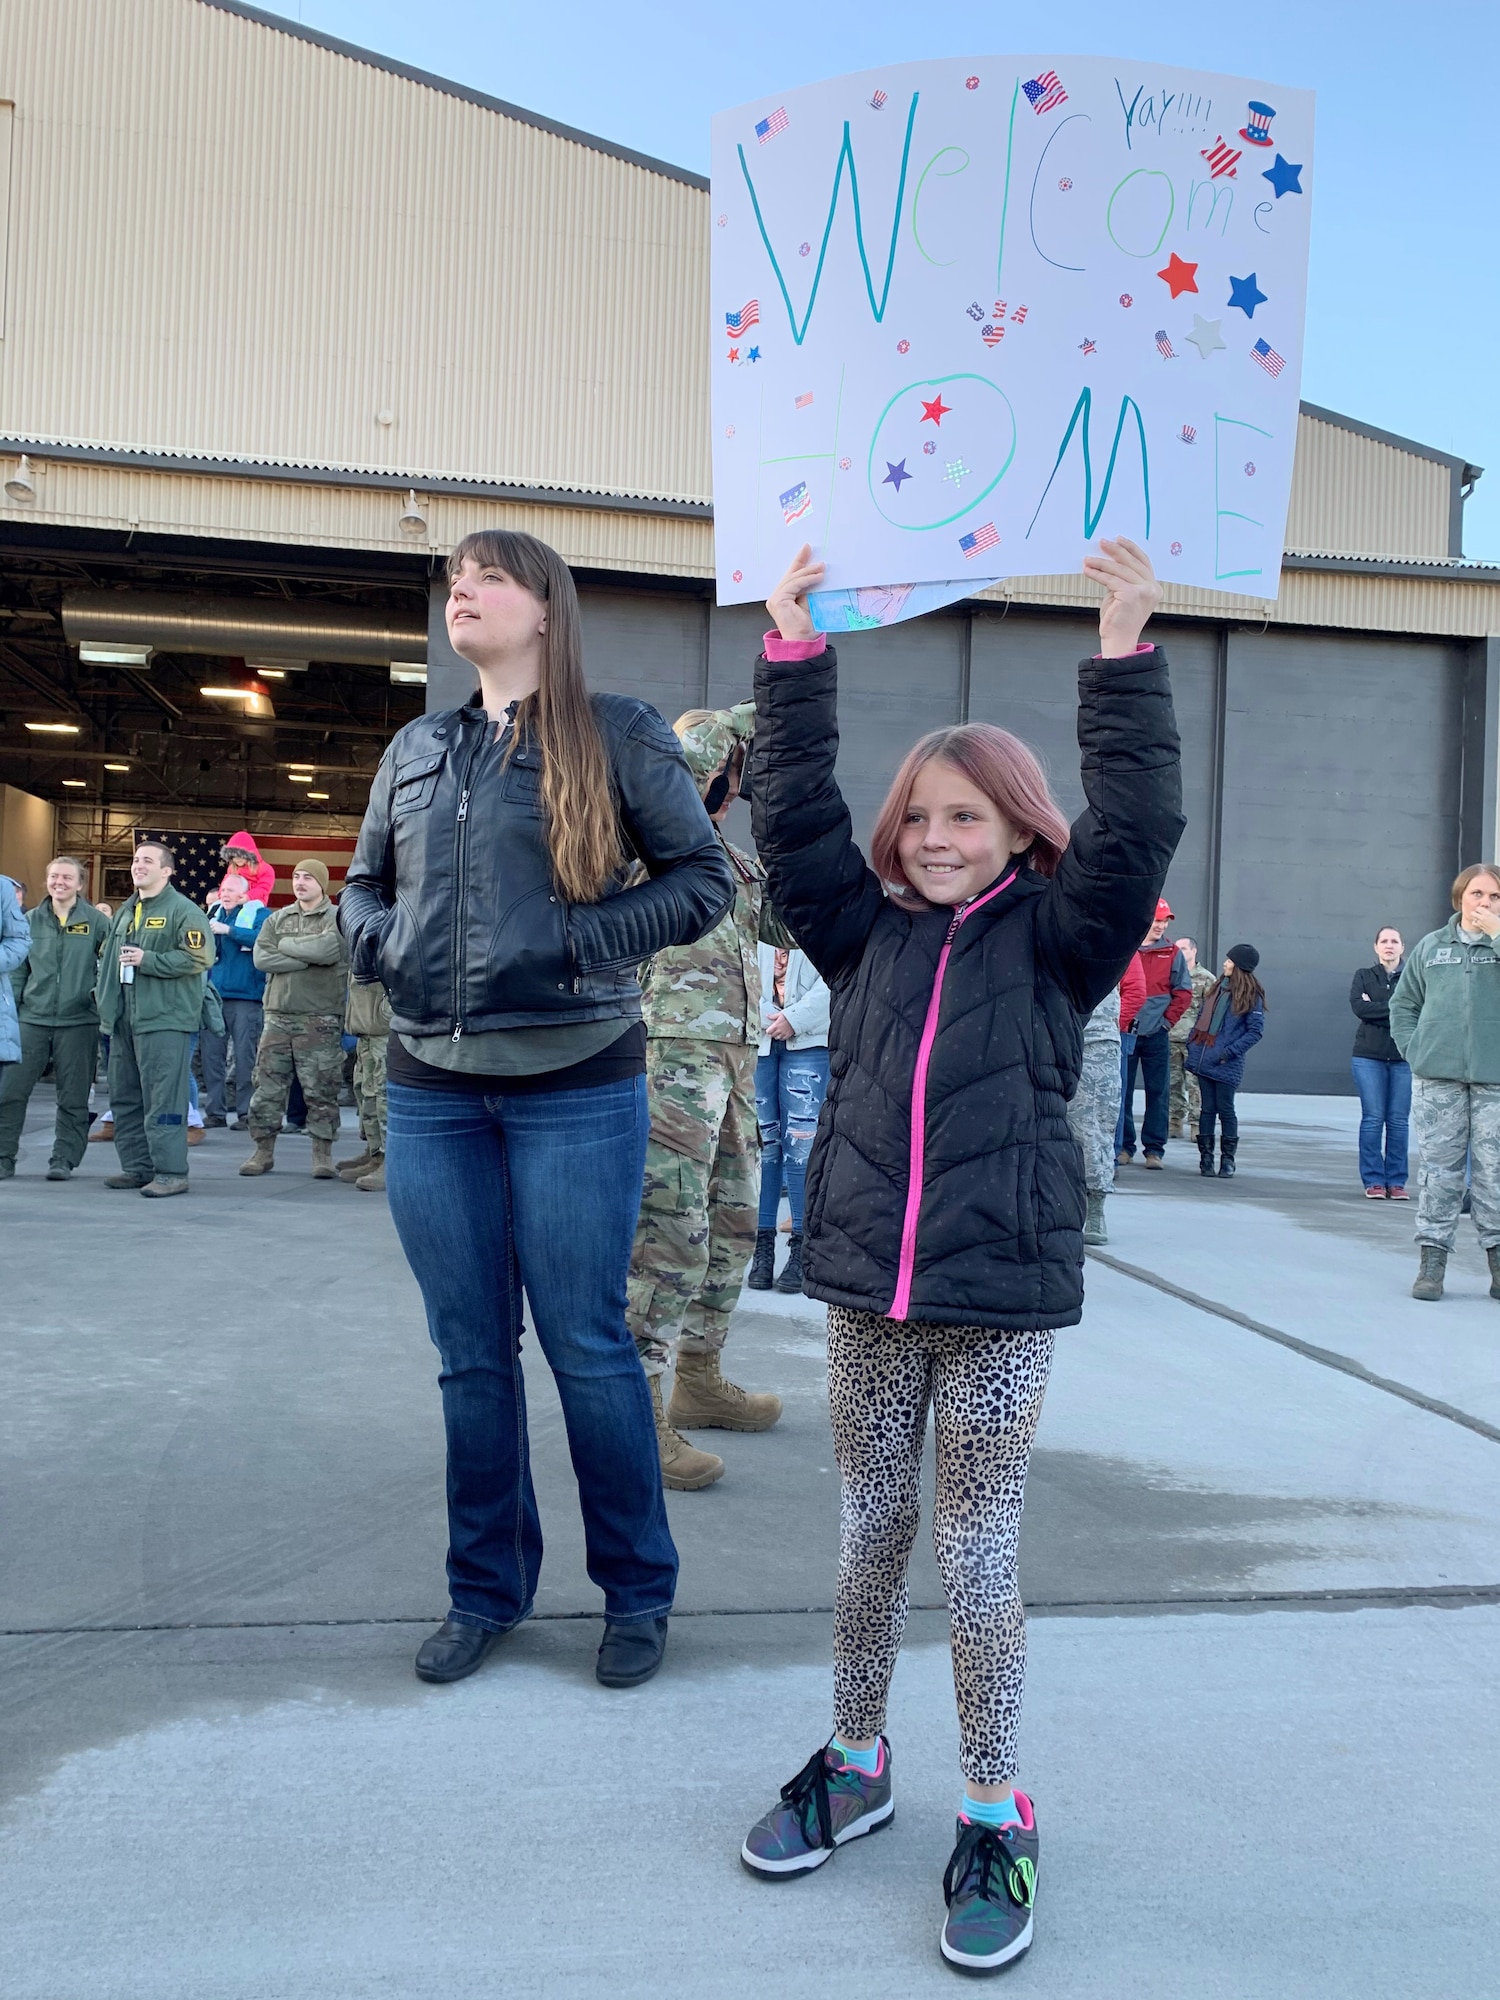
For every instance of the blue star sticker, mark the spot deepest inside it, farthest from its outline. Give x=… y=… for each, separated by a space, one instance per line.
x=894 y=474
x=1246 y=294
x=754 y=354
x=1283 y=177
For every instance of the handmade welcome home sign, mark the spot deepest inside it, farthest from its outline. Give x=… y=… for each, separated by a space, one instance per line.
x=971 y=315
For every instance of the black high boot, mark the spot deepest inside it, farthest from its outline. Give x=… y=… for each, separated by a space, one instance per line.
x=791 y=1271
x=1227 y=1150
x=763 y=1263
x=1205 y=1156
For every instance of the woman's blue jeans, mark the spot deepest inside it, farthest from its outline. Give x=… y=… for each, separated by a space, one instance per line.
x=790 y=1085
x=490 y=1194
x=1385 y=1112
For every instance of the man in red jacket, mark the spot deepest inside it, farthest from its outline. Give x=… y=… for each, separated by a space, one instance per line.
x=1169 y=993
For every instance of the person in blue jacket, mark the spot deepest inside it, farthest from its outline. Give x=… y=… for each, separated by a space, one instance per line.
x=235 y=923
x=1230 y=1022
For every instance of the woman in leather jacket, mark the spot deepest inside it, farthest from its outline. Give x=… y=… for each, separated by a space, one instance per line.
x=488 y=896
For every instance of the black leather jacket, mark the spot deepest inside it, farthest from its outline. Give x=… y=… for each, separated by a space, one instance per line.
x=450 y=901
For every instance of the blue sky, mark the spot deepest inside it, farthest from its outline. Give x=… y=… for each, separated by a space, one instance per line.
x=1404 y=295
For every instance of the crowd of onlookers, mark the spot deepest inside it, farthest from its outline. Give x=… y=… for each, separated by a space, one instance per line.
x=270 y=1022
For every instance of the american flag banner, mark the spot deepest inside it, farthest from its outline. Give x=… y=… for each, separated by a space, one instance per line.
x=1045 y=92
x=769 y=127
x=1264 y=353
x=976 y=543
x=738 y=323
x=1164 y=346
x=201 y=868
x=1221 y=159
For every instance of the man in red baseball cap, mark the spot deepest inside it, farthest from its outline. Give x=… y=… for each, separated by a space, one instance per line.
x=1169 y=993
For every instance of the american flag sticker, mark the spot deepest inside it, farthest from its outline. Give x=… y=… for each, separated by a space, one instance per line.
x=804 y=401
x=1164 y=346
x=1044 y=92
x=1018 y=317
x=1269 y=359
x=992 y=335
x=769 y=127
x=736 y=324
x=1221 y=159
x=795 y=502
x=981 y=539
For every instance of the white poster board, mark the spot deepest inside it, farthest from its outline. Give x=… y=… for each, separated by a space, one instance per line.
x=971 y=315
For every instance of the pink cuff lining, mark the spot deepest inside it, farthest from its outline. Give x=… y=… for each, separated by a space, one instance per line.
x=777 y=648
x=1141 y=648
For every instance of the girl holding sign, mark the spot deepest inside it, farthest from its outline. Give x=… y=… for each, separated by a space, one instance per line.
x=945 y=1194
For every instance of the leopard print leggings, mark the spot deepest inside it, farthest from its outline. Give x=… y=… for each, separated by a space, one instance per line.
x=986 y=1390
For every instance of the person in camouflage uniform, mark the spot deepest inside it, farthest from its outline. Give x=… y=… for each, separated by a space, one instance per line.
x=367 y=1017
x=300 y=947
x=1184 y=1100
x=702 y=1183
x=1094 y=1109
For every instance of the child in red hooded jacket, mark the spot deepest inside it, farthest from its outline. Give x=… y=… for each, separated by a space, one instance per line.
x=242 y=857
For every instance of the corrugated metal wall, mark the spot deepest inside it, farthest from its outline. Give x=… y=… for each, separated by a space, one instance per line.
x=229 y=241
x=1356 y=496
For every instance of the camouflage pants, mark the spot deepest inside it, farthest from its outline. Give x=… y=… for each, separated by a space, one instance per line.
x=1456 y=1124
x=1094 y=1112
x=1183 y=1099
x=311 y=1048
x=698 y=1203
x=369 y=1090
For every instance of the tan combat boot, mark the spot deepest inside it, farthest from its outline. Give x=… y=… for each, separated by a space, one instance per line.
x=683 y=1467
x=373 y=1182
x=262 y=1159
x=323 y=1167
x=350 y=1170
x=703 y=1400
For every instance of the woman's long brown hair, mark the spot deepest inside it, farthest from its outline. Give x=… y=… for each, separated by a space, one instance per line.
x=1245 y=991
x=583 y=833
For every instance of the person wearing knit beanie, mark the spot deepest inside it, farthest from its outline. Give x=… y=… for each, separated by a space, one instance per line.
x=1245 y=956
x=319 y=870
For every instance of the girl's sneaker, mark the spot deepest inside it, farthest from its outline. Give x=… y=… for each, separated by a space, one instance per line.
x=990 y=1885
x=827 y=1803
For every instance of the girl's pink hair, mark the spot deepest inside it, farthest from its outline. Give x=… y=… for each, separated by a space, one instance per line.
x=1000 y=766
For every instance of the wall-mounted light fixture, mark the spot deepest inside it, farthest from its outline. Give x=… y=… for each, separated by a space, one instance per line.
x=413 y=522
x=20 y=485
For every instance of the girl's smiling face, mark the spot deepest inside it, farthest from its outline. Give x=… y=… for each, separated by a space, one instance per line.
x=954 y=841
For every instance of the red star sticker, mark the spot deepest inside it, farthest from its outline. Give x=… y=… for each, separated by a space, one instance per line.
x=935 y=410
x=734 y=352
x=1180 y=277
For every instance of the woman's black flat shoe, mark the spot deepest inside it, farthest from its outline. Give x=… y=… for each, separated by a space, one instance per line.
x=630 y=1654
x=453 y=1651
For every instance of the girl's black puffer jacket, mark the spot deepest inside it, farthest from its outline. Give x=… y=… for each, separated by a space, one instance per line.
x=972 y=1214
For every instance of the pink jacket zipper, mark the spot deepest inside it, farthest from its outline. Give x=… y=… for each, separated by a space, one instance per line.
x=902 y=1300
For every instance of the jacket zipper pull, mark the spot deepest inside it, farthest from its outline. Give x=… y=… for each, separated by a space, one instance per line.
x=463 y=805
x=458 y=1031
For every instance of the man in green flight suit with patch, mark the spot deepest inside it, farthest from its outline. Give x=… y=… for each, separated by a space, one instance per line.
x=150 y=997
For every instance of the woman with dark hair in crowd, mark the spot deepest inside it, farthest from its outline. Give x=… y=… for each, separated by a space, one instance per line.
x=945 y=1194
x=488 y=896
x=1381 y=1075
x=1231 y=1020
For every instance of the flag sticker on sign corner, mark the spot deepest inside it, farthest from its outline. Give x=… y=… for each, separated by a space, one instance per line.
x=769 y=127
x=978 y=541
x=795 y=502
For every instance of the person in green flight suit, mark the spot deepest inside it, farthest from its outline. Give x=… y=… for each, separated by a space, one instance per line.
x=150 y=998
x=59 y=1022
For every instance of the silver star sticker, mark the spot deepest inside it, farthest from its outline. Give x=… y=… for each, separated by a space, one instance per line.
x=1205 y=336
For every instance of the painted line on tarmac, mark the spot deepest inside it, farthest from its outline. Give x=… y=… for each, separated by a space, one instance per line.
x=1325 y=1357
x=1370 y=1597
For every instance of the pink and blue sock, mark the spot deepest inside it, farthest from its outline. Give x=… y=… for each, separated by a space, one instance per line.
x=997 y=1813
x=871 y=1761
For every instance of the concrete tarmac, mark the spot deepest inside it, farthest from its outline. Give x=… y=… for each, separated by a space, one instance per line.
x=1261 y=1552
